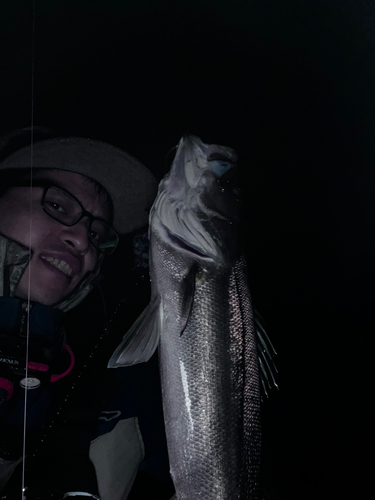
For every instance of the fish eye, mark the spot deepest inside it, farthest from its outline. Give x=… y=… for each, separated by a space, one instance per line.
x=220 y=163
x=220 y=167
x=223 y=164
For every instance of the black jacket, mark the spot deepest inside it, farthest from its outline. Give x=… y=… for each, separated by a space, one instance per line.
x=58 y=454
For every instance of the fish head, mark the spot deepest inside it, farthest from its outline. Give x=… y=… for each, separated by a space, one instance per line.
x=197 y=209
x=213 y=171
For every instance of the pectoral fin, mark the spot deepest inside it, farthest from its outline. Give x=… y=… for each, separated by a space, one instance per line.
x=141 y=340
x=188 y=297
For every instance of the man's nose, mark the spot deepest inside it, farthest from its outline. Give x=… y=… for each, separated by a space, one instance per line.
x=77 y=236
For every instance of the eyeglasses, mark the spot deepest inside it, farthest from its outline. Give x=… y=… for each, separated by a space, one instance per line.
x=66 y=209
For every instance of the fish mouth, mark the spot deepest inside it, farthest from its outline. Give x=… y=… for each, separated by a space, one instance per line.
x=198 y=203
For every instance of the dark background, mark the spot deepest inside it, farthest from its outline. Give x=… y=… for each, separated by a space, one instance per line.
x=288 y=84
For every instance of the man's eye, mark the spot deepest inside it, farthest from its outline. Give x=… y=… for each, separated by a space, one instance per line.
x=94 y=236
x=54 y=206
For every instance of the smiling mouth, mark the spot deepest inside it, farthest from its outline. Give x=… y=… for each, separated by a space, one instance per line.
x=61 y=265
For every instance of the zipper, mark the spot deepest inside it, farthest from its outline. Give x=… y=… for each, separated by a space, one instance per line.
x=25 y=312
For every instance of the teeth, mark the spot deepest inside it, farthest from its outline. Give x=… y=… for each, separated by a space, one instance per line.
x=61 y=265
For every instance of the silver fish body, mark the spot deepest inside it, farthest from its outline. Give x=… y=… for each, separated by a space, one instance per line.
x=207 y=345
x=210 y=387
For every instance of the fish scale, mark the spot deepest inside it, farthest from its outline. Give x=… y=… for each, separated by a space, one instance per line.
x=243 y=321
x=210 y=383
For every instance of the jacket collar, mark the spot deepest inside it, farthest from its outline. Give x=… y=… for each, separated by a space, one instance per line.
x=14 y=259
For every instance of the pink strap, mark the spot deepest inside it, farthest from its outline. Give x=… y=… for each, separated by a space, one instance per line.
x=40 y=367
x=7 y=385
x=54 y=378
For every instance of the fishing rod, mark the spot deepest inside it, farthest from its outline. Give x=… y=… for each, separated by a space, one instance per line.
x=28 y=382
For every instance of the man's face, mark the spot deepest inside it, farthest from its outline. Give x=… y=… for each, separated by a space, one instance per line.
x=62 y=255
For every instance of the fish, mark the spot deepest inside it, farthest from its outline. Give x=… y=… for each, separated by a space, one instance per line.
x=201 y=319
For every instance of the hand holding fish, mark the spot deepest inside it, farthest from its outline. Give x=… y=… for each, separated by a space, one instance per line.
x=200 y=316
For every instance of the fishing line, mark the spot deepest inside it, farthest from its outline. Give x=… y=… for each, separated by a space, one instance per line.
x=30 y=255
x=169 y=158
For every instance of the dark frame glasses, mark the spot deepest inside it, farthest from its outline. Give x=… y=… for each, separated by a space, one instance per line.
x=101 y=234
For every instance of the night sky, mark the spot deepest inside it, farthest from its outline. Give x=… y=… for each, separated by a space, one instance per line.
x=288 y=84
